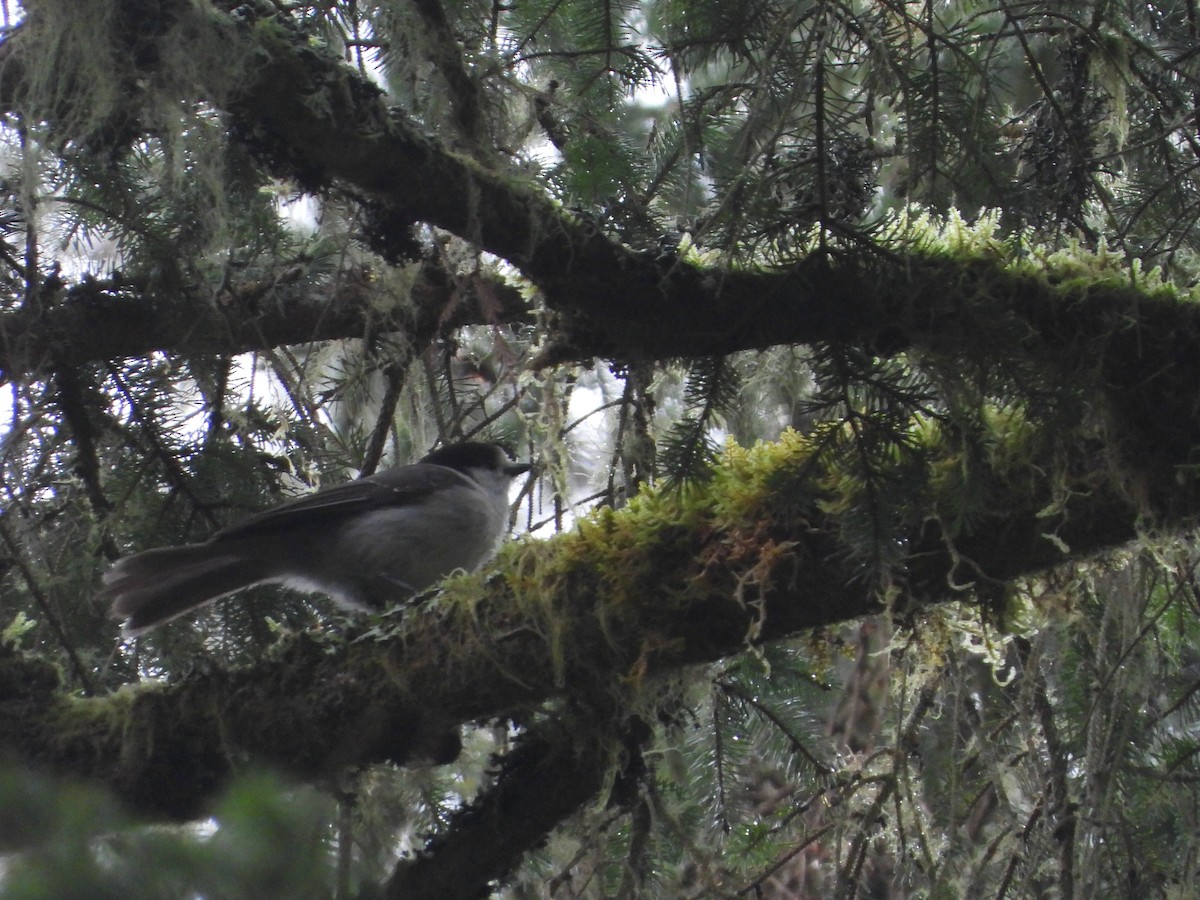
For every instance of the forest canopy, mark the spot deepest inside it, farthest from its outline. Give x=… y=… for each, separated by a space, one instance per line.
x=856 y=349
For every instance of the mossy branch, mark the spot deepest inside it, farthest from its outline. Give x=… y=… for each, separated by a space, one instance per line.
x=104 y=319
x=676 y=579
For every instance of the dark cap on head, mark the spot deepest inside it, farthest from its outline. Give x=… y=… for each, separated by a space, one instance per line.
x=476 y=455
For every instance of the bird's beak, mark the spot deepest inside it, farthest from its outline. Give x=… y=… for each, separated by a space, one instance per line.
x=517 y=468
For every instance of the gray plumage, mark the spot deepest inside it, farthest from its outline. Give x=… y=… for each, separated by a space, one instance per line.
x=365 y=543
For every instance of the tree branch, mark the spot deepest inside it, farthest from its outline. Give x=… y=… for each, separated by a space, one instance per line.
x=304 y=113
x=547 y=777
x=674 y=581
x=97 y=320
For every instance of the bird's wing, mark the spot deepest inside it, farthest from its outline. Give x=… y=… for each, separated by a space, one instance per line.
x=393 y=488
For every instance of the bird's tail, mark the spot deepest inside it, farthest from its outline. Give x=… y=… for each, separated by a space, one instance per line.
x=153 y=587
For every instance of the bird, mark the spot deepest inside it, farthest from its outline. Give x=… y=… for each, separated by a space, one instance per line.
x=365 y=543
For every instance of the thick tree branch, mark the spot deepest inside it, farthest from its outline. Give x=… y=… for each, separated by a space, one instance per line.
x=604 y=609
x=304 y=112
x=107 y=319
x=547 y=777
x=324 y=121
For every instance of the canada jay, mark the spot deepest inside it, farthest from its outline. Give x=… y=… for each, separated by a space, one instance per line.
x=364 y=543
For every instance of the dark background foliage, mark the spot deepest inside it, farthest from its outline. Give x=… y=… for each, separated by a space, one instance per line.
x=933 y=637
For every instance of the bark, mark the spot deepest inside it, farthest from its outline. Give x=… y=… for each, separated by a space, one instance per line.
x=96 y=320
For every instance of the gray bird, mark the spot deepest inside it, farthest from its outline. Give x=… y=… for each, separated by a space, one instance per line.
x=364 y=543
